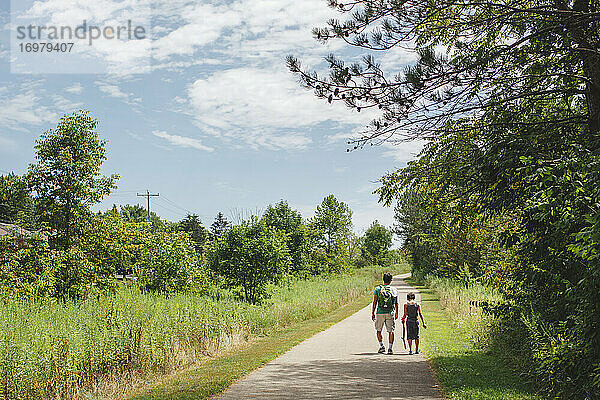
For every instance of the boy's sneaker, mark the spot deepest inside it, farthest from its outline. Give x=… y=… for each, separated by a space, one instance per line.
x=417 y=351
x=381 y=350
x=390 y=351
x=410 y=352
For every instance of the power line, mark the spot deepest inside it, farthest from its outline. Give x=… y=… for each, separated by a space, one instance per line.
x=176 y=205
x=170 y=211
x=169 y=208
x=148 y=195
x=190 y=212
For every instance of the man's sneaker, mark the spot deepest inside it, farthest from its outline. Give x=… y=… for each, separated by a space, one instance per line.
x=381 y=350
x=390 y=351
x=417 y=351
x=410 y=352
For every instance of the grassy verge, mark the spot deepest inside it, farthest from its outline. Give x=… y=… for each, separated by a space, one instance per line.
x=454 y=342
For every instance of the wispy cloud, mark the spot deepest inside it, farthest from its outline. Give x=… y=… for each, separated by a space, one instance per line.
x=115 y=56
x=404 y=151
x=22 y=106
x=76 y=88
x=182 y=141
x=116 y=92
x=263 y=108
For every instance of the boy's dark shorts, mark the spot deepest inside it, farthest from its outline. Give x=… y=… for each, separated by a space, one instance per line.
x=412 y=329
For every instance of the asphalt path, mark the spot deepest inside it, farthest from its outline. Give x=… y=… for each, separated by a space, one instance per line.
x=342 y=363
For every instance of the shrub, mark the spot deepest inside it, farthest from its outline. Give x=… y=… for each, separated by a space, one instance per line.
x=112 y=244
x=26 y=271
x=168 y=263
x=249 y=256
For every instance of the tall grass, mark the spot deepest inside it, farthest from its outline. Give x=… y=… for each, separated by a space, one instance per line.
x=464 y=306
x=97 y=347
x=459 y=340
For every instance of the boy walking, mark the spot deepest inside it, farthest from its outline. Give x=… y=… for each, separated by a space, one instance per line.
x=411 y=311
x=385 y=300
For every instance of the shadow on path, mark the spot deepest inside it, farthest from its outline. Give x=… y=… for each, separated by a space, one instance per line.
x=370 y=377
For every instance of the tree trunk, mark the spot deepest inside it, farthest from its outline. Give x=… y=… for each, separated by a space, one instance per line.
x=585 y=37
x=68 y=225
x=591 y=69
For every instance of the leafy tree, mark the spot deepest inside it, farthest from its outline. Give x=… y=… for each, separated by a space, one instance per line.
x=16 y=202
x=219 y=226
x=137 y=213
x=376 y=243
x=509 y=96
x=168 y=263
x=26 y=271
x=113 y=245
x=333 y=219
x=250 y=256
x=498 y=56
x=283 y=218
x=67 y=176
x=198 y=233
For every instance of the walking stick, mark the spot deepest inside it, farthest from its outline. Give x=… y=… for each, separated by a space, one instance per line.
x=403 y=335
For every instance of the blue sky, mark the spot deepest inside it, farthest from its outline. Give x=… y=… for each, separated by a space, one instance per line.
x=204 y=110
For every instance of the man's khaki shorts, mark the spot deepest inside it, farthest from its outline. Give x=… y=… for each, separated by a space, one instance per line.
x=388 y=319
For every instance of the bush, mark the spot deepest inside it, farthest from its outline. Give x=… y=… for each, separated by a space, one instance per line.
x=113 y=245
x=26 y=271
x=249 y=256
x=322 y=263
x=168 y=263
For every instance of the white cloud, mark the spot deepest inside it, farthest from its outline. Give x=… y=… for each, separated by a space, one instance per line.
x=116 y=92
x=203 y=24
x=76 y=88
x=264 y=108
x=182 y=141
x=404 y=151
x=249 y=32
x=24 y=108
x=115 y=56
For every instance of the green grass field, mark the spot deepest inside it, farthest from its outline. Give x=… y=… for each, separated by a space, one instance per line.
x=454 y=343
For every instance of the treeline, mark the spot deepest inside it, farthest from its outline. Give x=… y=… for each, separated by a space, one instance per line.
x=517 y=210
x=73 y=253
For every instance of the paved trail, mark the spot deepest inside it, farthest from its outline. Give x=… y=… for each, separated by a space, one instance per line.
x=342 y=363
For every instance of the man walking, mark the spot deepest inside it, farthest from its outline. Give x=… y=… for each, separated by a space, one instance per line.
x=385 y=301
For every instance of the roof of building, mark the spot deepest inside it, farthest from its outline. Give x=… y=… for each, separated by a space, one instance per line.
x=14 y=230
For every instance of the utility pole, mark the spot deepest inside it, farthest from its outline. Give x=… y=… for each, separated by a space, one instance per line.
x=148 y=195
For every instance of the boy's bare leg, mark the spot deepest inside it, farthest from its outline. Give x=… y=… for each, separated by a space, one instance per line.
x=417 y=344
x=379 y=336
x=410 y=344
x=391 y=337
